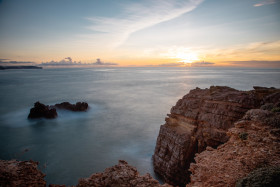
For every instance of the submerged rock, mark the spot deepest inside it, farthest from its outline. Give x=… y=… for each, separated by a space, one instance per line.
x=200 y=119
x=20 y=173
x=42 y=111
x=79 y=106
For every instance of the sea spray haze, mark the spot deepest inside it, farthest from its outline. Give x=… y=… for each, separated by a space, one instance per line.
x=127 y=107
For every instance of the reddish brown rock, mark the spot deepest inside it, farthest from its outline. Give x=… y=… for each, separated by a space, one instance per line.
x=254 y=143
x=200 y=119
x=20 y=173
x=121 y=175
x=25 y=173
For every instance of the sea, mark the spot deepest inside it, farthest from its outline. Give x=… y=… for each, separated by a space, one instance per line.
x=127 y=108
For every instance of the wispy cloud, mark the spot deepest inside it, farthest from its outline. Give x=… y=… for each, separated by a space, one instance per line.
x=202 y=64
x=266 y=2
x=69 y=62
x=252 y=51
x=138 y=16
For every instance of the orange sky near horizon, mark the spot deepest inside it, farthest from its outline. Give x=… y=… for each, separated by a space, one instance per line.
x=169 y=33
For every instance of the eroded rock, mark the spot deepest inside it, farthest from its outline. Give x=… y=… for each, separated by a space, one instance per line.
x=45 y=111
x=79 y=106
x=200 y=119
x=239 y=156
x=121 y=175
x=20 y=173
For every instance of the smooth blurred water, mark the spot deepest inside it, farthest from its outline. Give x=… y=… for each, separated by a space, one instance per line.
x=127 y=107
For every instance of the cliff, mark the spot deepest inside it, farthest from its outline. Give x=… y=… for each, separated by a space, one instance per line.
x=200 y=119
x=254 y=144
x=20 y=173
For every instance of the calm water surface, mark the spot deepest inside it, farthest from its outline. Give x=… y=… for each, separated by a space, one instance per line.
x=127 y=107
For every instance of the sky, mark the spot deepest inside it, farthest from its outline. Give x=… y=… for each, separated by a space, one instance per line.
x=150 y=33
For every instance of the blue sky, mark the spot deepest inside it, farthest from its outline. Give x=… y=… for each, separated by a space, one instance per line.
x=140 y=32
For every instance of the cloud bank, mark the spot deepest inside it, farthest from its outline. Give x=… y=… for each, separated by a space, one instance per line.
x=182 y=64
x=176 y=64
x=69 y=62
x=137 y=16
x=202 y=64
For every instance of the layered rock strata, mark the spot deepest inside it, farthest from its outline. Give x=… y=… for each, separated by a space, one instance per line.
x=20 y=173
x=254 y=143
x=200 y=119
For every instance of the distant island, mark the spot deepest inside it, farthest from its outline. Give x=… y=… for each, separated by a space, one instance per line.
x=19 y=67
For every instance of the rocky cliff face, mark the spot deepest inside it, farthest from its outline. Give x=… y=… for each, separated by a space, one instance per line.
x=254 y=143
x=16 y=173
x=200 y=119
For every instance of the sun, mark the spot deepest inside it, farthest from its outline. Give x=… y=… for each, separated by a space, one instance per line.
x=187 y=57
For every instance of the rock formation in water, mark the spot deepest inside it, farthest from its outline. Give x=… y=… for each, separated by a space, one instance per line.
x=246 y=123
x=20 y=173
x=119 y=175
x=25 y=173
x=254 y=143
x=79 y=106
x=45 y=111
x=200 y=119
x=42 y=111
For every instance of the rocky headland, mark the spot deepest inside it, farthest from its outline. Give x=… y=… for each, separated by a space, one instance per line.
x=19 y=67
x=202 y=119
x=212 y=137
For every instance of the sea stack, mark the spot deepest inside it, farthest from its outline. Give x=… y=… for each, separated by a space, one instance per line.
x=42 y=111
